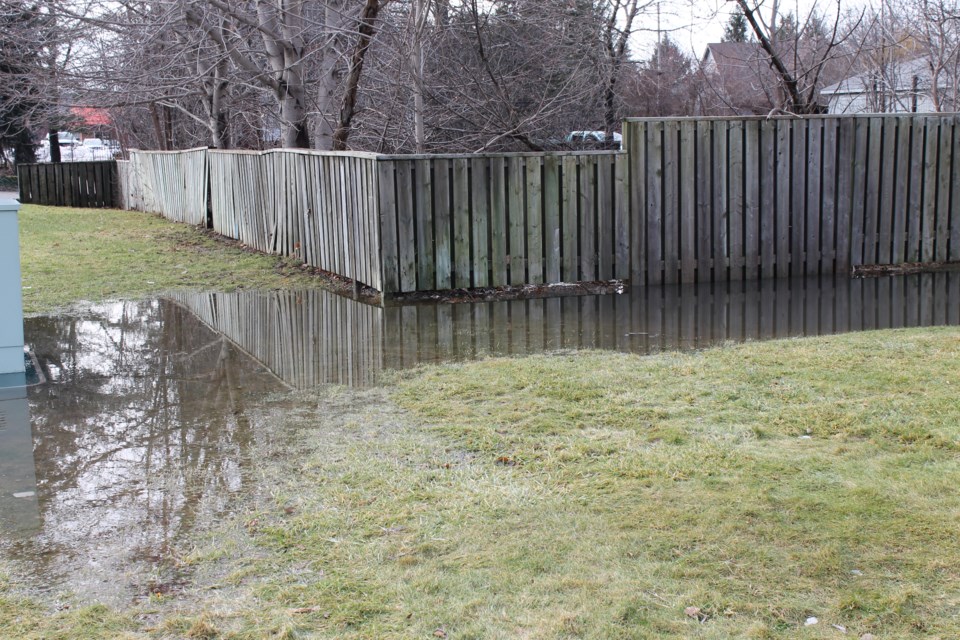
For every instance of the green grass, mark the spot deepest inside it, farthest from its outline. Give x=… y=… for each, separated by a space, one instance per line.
x=602 y=495
x=580 y=496
x=69 y=255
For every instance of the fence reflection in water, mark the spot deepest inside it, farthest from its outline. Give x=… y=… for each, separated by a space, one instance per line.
x=316 y=337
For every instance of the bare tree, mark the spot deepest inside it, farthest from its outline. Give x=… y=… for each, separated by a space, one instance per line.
x=799 y=53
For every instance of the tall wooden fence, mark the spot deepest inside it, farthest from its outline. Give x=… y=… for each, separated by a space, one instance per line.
x=69 y=184
x=747 y=198
x=319 y=207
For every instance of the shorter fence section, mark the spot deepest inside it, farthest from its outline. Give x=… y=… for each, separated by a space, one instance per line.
x=171 y=183
x=454 y=221
x=69 y=184
x=320 y=207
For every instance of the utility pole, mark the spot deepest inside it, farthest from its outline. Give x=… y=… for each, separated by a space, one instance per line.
x=659 y=50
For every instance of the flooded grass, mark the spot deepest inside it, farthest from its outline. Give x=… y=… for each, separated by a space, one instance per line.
x=68 y=255
x=736 y=492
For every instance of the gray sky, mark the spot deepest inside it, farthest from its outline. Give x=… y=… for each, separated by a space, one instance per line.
x=694 y=23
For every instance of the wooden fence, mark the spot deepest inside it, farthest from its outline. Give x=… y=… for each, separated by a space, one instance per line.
x=69 y=184
x=708 y=200
x=502 y=219
x=318 y=207
x=171 y=183
x=748 y=198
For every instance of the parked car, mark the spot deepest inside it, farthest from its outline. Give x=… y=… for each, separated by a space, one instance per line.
x=594 y=140
x=68 y=139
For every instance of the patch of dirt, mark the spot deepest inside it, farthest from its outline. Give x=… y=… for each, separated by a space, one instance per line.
x=877 y=270
x=513 y=292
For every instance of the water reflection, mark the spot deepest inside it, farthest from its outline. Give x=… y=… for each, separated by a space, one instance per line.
x=313 y=337
x=142 y=433
x=19 y=512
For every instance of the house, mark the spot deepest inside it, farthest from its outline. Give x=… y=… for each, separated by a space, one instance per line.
x=898 y=86
x=736 y=80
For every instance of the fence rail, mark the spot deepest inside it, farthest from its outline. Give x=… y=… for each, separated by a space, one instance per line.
x=70 y=184
x=709 y=200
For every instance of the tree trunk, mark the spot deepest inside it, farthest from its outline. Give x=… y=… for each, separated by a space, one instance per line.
x=54 y=137
x=283 y=42
x=419 y=18
x=24 y=151
x=369 y=15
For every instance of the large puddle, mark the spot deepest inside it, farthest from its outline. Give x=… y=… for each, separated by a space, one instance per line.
x=142 y=432
x=153 y=413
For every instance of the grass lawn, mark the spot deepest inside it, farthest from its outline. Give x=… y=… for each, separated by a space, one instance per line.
x=93 y=254
x=738 y=492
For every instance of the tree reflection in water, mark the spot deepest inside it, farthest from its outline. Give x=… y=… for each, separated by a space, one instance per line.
x=143 y=432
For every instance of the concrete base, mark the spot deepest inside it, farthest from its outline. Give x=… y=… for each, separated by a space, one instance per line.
x=11 y=301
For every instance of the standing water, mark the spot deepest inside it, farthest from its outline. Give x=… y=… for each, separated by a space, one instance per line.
x=153 y=413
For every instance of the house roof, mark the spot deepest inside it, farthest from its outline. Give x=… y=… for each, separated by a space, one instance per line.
x=739 y=76
x=92 y=116
x=729 y=56
x=900 y=73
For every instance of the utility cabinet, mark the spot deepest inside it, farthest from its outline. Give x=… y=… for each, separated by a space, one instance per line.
x=11 y=299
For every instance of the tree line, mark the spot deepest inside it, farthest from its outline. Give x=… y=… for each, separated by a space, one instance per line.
x=399 y=76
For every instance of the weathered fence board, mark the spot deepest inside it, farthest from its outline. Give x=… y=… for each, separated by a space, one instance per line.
x=73 y=184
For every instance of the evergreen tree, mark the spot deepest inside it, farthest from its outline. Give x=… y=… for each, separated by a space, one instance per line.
x=737 y=28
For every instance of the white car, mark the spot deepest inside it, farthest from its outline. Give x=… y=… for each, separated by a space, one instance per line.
x=592 y=138
x=96 y=149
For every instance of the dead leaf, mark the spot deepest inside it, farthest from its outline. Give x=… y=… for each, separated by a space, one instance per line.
x=506 y=461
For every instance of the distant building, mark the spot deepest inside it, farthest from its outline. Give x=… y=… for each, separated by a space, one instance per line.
x=736 y=80
x=897 y=87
